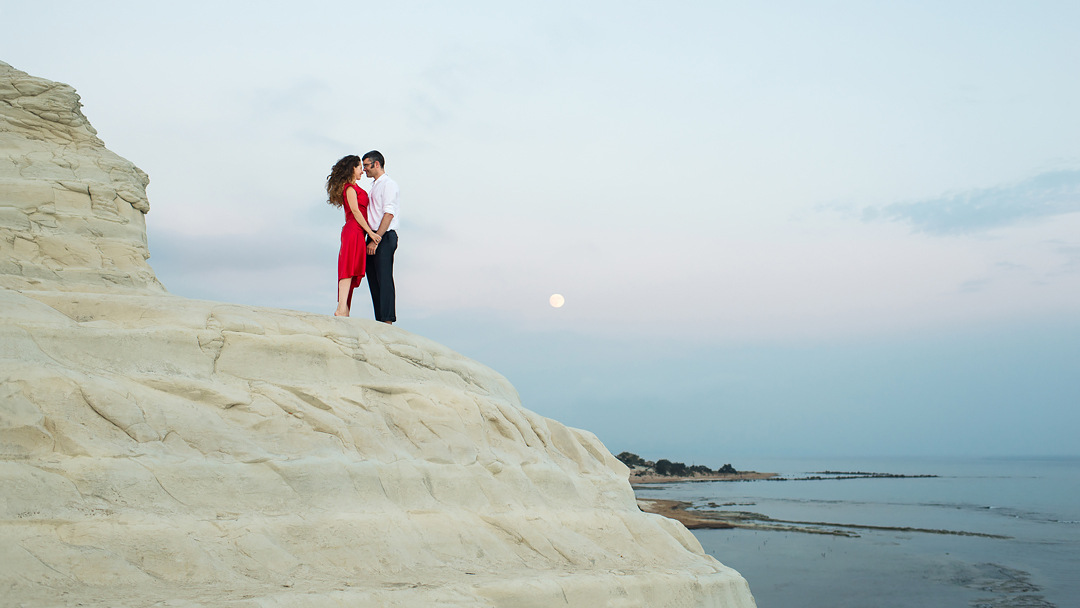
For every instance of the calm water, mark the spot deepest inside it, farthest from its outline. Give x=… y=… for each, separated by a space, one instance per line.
x=1036 y=503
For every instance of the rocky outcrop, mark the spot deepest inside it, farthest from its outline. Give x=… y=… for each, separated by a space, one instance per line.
x=156 y=450
x=71 y=211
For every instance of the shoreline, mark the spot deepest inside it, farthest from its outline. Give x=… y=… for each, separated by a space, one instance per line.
x=693 y=519
x=986 y=532
x=643 y=477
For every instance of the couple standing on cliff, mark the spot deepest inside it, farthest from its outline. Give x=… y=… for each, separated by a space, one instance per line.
x=375 y=255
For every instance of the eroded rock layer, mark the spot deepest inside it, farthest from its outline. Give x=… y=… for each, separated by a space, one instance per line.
x=71 y=211
x=156 y=450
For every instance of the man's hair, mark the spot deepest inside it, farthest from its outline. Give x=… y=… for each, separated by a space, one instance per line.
x=376 y=156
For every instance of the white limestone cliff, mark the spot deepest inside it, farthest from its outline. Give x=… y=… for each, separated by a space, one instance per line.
x=156 y=450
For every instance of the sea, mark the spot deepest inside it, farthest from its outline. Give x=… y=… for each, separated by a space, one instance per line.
x=979 y=533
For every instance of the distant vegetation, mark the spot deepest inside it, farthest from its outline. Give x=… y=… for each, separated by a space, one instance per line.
x=667 y=468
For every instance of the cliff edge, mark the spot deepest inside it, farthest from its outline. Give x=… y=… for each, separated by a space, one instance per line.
x=156 y=450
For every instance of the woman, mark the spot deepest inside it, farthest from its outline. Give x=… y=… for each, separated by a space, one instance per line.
x=342 y=191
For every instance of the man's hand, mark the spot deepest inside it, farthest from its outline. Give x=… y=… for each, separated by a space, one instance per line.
x=371 y=247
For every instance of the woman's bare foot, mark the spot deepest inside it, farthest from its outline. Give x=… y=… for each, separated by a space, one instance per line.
x=341 y=312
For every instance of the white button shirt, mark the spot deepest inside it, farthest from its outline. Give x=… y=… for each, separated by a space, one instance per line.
x=383 y=200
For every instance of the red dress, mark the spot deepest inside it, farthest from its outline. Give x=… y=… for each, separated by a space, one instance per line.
x=352 y=258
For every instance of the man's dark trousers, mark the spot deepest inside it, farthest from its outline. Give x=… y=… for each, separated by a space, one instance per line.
x=380 y=276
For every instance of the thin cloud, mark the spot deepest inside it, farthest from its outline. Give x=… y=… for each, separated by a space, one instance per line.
x=1044 y=195
x=1071 y=253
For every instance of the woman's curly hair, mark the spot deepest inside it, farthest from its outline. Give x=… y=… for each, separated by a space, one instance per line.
x=340 y=175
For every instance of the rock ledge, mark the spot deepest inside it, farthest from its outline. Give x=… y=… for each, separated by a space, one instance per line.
x=156 y=450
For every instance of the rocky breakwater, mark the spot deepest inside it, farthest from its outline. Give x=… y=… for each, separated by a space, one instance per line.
x=156 y=450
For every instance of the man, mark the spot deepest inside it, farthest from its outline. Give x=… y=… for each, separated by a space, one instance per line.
x=382 y=215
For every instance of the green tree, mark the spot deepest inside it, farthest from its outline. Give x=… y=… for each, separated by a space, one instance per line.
x=631 y=460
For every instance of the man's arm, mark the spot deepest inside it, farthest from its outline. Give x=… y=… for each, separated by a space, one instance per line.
x=384 y=225
x=390 y=206
x=388 y=195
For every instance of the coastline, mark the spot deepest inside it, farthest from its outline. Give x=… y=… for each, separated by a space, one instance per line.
x=645 y=476
x=676 y=509
x=694 y=519
x=936 y=533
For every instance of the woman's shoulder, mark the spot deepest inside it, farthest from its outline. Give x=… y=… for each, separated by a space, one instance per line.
x=360 y=192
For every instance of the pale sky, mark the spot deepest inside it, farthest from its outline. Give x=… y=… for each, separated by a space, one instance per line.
x=781 y=228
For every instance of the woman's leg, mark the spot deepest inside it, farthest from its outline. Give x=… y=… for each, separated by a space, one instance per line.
x=344 y=287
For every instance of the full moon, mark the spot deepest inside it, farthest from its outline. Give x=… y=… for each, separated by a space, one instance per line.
x=557 y=300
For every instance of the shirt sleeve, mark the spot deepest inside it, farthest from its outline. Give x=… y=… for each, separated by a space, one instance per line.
x=390 y=198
